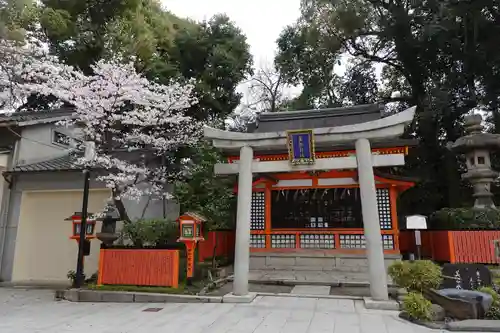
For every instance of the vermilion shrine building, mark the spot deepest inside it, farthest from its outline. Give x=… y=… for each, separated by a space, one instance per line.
x=311 y=190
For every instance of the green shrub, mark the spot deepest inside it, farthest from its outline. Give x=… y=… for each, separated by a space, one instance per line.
x=398 y=272
x=416 y=275
x=494 y=311
x=417 y=307
x=71 y=276
x=465 y=218
x=151 y=232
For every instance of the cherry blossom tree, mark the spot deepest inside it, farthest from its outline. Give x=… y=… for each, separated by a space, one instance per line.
x=27 y=70
x=137 y=127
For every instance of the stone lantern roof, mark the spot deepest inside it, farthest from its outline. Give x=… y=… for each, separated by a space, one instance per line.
x=476 y=146
x=475 y=138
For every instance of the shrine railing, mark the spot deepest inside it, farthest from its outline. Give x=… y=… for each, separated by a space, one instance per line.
x=459 y=246
x=338 y=240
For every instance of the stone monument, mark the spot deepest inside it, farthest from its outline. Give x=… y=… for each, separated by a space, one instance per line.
x=476 y=147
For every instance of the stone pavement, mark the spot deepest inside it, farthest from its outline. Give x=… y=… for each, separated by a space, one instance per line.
x=23 y=311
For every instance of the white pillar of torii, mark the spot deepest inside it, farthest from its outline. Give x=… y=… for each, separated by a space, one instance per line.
x=364 y=161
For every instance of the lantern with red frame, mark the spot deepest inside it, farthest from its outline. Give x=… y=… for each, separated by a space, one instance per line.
x=191 y=232
x=76 y=220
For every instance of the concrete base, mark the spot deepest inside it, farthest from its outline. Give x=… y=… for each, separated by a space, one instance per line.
x=474 y=325
x=95 y=296
x=231 y=298
x=380 y=305
x=313 y=260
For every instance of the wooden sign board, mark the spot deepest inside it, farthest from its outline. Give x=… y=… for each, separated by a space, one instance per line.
x=416 y=222
x=301 y=147
x=466 y=276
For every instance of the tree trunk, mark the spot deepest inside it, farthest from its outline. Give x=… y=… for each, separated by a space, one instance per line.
x=214 y=252
x=120 y=207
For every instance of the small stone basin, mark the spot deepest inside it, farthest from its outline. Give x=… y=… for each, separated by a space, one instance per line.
x=468 y=295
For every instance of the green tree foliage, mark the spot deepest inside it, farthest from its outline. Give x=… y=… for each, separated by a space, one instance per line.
x=205 y=193
x=17 y=17
x=76 y=30
x=162 y=46
x=440 y=55
x=217 y=55
x=150 y=232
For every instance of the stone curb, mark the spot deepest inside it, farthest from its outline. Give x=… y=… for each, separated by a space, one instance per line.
x=428 y=324
x=389 y=305
x=215 y=284
x=475 y=325
x=96 y=296
x=286 y=282
x=356 y=298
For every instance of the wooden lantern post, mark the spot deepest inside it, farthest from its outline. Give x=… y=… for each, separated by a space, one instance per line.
x=191 y=232
x=76 y=220
x=83 y=247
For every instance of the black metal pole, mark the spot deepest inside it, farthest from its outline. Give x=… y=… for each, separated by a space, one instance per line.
x=79 y=280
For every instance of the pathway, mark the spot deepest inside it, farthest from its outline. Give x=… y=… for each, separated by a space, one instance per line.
x=23 y=311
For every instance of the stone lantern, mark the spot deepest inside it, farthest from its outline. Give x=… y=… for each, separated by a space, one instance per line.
x=108 y=229
x=476 y=147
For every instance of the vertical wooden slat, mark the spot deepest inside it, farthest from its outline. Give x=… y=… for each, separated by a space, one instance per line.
x=101 y=267
x=393 y=197
x=175 y=265
x=451 y=246
x=140 y=267
x=267 y=216
x=460 y=243
x=479 y=248
x=487 y=248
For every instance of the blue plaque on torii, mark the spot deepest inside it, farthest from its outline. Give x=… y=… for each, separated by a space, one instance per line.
x=301 y=147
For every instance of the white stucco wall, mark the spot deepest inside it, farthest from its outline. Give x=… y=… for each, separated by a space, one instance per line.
x=36 y=142
x=43 y=251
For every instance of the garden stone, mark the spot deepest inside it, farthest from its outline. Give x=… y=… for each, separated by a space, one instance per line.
x=438 y=313
x=471 y=296
x=456 y=307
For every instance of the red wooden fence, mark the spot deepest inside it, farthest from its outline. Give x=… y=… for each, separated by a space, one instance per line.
x=224 y=241
x=454 y=246
x=139 y=267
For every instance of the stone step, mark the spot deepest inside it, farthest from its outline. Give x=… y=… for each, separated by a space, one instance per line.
x=310 y=290
x=312 y=277
x=301 y=262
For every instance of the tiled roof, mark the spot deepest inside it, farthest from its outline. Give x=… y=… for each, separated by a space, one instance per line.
x=20 y=117
x=61 y=163
x=305 y=119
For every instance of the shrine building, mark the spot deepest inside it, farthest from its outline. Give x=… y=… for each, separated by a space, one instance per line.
x=314 y=189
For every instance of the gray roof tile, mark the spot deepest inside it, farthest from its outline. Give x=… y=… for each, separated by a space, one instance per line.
x=28 y=116
x=307 y=119
x=61 y=163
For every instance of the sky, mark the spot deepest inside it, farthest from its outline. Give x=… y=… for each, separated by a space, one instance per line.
x=260 y=20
